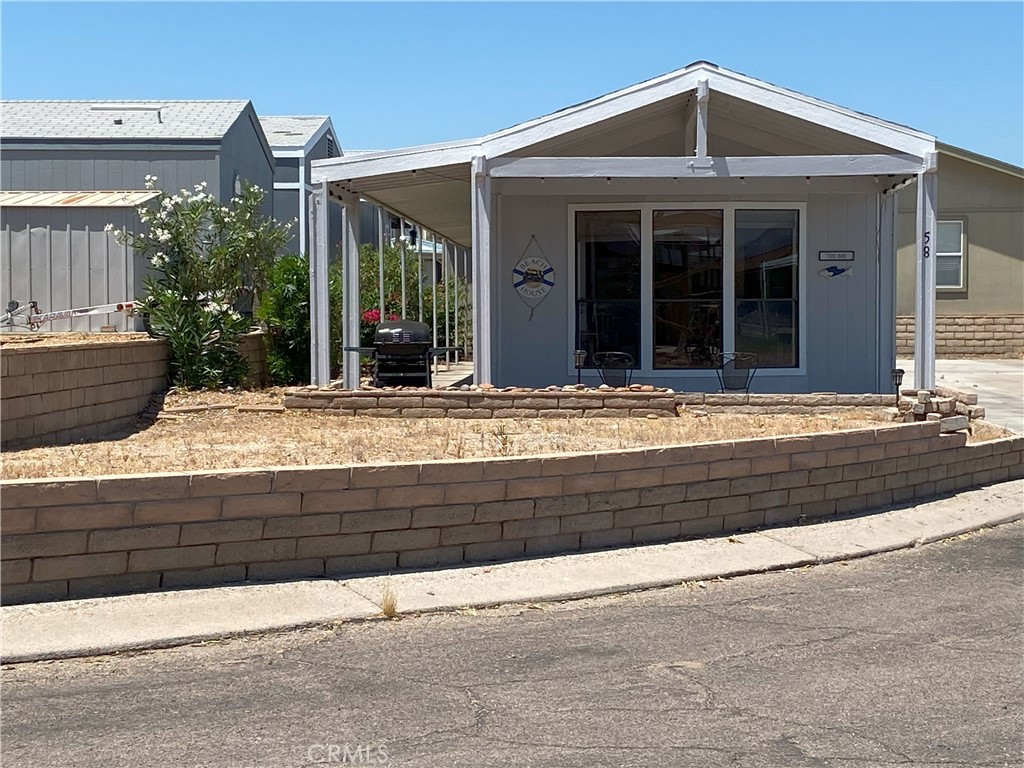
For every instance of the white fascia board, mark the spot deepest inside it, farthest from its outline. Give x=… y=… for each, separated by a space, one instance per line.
x=294 y=185
x=324 y=127
x=822 y=113
x=714 y=167
x=899 y=138
x=396 y=161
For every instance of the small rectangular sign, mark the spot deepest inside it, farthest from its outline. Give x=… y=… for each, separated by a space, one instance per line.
x=835 y=255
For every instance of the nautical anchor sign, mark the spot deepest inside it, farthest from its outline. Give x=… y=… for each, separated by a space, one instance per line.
x=533 y=277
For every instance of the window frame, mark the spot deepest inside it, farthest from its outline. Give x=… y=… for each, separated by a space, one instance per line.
x=953 y=289
x=645 y=366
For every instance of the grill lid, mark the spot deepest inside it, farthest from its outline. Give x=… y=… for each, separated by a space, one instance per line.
x=402 y=332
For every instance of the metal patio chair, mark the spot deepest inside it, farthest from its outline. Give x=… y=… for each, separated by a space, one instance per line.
x=735 y=370
x=616 y=368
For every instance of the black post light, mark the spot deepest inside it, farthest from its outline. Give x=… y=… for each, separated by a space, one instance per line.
x=897 y=382
x=579 y=357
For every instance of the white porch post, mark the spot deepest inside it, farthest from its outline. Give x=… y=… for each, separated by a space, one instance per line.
x=924 y=284
x=350 y=290
x=319 y=319
x=482 y=370
x=702 y=117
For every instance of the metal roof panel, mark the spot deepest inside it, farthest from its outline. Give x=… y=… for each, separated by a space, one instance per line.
x=86 y=199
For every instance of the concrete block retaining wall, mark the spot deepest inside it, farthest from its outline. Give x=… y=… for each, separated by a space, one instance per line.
x=62 y=393
x=77 y=391
x=81 y=537
x=967 y=335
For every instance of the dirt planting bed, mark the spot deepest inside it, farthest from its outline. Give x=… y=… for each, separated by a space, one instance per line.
x=224 y=430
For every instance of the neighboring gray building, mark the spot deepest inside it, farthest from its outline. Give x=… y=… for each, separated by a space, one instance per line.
x=63 y=259
x=296 y=141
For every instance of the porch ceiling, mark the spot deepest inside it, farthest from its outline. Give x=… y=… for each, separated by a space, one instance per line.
x=436 y=198
x=741 y=128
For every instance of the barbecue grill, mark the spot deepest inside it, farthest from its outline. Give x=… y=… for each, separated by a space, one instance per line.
x=402 y=354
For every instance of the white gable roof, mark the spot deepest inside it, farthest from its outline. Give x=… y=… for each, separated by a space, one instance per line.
x=898 y=138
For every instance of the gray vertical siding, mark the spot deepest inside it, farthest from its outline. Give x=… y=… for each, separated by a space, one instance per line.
x=531 y=352
x=63 y=259
x=286 y=208
x=243 y=152
x=319 y=152
x=841 y=311
x=842 y=352
x=93 y=168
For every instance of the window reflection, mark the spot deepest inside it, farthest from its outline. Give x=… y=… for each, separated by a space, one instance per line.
x=608 y=282
x=767 y=259
x=687 y=288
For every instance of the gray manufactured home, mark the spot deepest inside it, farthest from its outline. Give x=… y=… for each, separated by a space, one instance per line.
x=700 y=213
x=53 y=249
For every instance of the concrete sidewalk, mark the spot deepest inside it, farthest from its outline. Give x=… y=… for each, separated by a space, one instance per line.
x=133 y=622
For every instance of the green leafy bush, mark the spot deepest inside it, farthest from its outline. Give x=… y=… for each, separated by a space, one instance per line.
x=284 y=308
x=209 y=259
x=369 y=293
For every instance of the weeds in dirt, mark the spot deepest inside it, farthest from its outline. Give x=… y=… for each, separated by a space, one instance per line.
x=389 y=601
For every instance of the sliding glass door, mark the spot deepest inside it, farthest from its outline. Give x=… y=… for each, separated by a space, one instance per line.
x=675 y=286
x=608 y=282
x=767 y=286
x=687 y=288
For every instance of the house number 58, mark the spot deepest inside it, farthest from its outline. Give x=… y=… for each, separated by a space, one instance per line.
x=926 y=249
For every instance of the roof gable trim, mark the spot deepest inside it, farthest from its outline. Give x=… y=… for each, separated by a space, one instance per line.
x=899 y=138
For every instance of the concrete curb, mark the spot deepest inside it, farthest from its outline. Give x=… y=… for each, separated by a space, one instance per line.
x=75 y=628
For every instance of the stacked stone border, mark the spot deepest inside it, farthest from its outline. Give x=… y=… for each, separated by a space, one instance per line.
x=967 y=336
x=561 y=402
x=67 y=392
x=82 y=537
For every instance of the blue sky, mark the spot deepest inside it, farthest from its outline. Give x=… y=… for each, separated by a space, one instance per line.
x=396 y=74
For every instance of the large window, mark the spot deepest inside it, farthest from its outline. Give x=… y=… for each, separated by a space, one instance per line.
x=674 y=286
x=687 y=288
x=949 y=255
x=608 y=282
x=767 y=286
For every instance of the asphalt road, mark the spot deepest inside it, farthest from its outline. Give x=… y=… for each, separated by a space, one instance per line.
x=911 y=659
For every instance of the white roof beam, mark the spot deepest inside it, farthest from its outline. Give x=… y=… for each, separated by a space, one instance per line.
x=710 y=167
x=703 y=91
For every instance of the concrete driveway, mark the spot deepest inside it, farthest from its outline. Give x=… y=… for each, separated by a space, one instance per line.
x=999 y=384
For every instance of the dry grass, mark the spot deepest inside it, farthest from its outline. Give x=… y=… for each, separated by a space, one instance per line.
x=44 y=339
x=389 y=601
x=226 y=439
x=983 y=431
